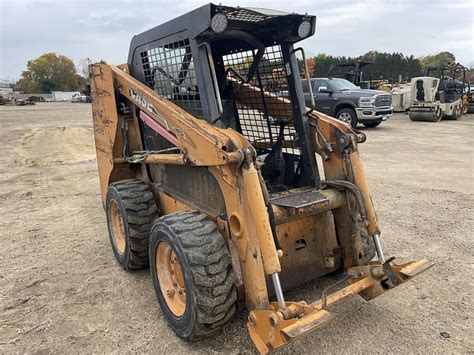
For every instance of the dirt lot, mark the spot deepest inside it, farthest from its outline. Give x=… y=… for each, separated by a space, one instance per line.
x=61 y=290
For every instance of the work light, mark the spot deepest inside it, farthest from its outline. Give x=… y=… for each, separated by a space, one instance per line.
x=219 y=22
x=304 y=29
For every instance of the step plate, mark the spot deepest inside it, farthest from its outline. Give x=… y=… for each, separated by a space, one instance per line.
x=306 y=324
x=299 y=198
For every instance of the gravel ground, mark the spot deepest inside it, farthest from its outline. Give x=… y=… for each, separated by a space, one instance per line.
x=61 y=290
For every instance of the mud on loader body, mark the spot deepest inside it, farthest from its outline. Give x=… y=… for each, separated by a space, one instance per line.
x=209 y=175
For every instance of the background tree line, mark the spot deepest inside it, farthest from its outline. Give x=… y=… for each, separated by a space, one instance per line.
x=387 y=66
x=52 y=71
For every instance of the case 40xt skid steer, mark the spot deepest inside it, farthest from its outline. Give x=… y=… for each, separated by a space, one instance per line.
x=210 y=176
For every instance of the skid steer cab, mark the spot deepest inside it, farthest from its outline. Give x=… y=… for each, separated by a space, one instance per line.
x=215 y=174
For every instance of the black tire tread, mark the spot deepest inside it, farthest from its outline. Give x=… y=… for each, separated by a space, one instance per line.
x=210 y=267
x=140 y=210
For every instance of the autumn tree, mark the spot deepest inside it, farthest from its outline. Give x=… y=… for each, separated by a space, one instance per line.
x=26 y=85
x=50 y=72
x=310 y=63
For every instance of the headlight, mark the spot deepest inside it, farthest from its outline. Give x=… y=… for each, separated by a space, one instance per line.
x=304 y=29
x=366 y=102
x=219 y=22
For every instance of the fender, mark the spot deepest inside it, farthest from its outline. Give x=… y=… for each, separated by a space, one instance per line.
x=344 y=102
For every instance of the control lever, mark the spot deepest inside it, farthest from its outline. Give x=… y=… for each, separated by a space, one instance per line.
x=274 y=167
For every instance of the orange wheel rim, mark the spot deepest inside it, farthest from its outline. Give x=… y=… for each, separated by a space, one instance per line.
x=171 y=278
x=118 y=229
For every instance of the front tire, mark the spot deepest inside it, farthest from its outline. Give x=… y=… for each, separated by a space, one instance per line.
x=348 y=115
x=192 y=274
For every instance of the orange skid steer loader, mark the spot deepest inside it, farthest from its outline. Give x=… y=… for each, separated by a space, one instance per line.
x=215 y=174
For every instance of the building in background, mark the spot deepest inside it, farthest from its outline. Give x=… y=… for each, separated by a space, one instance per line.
x=6 y=88
x=64 y=95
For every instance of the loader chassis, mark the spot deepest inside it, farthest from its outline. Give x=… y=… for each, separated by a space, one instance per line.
x=197 y=119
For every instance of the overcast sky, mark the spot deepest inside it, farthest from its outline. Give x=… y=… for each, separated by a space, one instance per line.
x=103 y=29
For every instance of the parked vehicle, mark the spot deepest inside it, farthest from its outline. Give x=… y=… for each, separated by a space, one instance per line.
x=349 y=103
x=401 y=97
x=437 y=95
x=80 y=99
x=461 y=79
x=470 y=100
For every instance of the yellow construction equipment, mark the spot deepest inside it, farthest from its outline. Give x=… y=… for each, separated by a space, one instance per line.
x=208 y=170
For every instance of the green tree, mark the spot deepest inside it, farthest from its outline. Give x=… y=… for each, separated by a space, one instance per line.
x=390 y=66
x=387 y=66
x=437 y=60
x=322 y=63
x=50 y=72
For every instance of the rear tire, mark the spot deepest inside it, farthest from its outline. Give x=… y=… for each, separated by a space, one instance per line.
x=130 y=209
x=372 y=124
x=207 y=282
x=349 y=116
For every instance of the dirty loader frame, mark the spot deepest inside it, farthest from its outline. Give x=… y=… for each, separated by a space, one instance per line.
x=278 y=237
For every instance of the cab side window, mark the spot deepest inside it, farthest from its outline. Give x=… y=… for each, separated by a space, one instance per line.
x=319 y=83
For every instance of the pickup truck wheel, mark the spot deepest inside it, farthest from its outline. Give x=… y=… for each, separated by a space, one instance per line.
x=372 y=124
x=347 y=115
